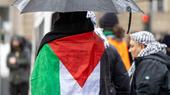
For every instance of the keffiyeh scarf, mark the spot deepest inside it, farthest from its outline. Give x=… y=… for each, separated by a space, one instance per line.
x=152 y=46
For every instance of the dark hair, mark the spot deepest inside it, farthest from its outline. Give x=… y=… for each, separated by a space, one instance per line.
x=18 y=38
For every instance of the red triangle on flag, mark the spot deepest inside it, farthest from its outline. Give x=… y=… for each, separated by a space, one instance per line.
x=79 y=53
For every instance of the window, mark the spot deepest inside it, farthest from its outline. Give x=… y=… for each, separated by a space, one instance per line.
x=159 y=5
x=4 y=18
x=4 y=13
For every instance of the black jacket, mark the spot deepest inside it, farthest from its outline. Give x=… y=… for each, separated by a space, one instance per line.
x=114 y=80
x=151 y=76
x=20 y=71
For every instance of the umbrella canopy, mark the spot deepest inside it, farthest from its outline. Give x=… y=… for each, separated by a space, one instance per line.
x=116 y=6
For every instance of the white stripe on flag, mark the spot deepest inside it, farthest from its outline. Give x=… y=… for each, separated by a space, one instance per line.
x=69 y=86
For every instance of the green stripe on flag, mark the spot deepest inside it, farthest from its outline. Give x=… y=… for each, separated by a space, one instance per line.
x=45 y=78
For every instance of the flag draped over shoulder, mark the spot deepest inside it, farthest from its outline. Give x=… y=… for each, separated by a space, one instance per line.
x=68 y=66
x=72 y=60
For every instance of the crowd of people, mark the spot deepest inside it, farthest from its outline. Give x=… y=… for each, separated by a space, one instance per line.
x=73 y=59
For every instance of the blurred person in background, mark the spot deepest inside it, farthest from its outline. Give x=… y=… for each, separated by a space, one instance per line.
x=115 y=35
x=151 y=68
x=18 y=62
x=166 y=40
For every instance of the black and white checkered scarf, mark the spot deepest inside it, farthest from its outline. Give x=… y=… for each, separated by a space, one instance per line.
x=147 y=38
x=152 y=46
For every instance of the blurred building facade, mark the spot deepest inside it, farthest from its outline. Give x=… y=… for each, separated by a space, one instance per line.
x=157 y=10
x=12 y=22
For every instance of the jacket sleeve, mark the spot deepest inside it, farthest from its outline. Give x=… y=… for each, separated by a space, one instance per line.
x=150 y=77
x=24 y=60
x=120 y=75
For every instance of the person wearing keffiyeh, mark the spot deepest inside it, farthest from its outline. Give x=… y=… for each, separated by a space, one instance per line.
x=149 y=72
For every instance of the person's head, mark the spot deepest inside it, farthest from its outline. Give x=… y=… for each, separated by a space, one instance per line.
x=138 y=41
x=71 y=20
x=108 y=21
x=69 y=17
x=16 y=43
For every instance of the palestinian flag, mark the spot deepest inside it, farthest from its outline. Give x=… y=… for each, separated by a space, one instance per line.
x=69 y=66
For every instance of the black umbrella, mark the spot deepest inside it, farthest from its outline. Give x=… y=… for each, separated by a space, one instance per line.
x=115 y=6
